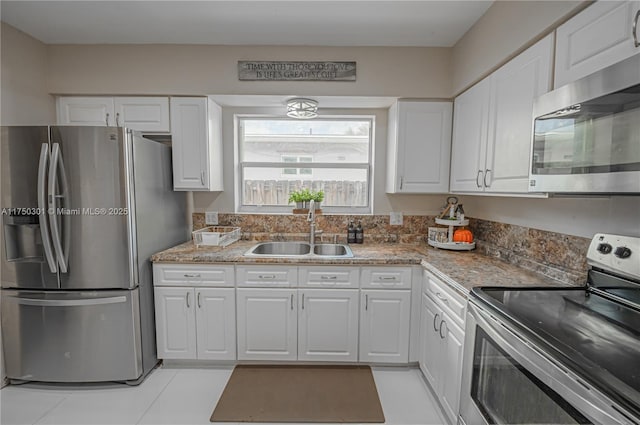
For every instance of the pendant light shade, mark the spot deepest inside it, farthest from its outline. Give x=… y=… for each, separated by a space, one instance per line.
x=302 y=108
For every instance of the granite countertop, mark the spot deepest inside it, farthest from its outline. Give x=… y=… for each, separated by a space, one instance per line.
x=463 y=270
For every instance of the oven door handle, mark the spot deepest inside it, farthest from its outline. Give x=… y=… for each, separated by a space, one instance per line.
x=586 y=399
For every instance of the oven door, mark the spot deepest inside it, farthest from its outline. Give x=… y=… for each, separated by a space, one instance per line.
x=507 y=380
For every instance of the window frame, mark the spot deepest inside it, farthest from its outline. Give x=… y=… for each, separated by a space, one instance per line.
x=286 y=209
x=296 y=168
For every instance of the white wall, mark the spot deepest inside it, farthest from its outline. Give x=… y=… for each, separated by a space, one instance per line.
x=196 y=70
x=383 y=203
x=25 y=98
x=505 y=29
x=203 y=69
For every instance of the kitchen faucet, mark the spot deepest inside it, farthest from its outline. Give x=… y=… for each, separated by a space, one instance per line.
x=311 y=218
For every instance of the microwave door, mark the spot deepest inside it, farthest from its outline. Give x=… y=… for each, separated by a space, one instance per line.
x=25 y=248
x=587 y=134
x=93 y=232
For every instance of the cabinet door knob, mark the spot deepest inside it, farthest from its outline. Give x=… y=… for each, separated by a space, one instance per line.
x=401 y=182
x=202 y=177
x=199 y=305
x=440 y=330
x=117 y=119
x=636 y=42
x=435 y=319
x=478 y=179
x=366 y=301
x=484 y=180
x=188 y=305
x=441 y=298
x=191 y=275
x=324 y=277
x=106 y=119
x=303 y=301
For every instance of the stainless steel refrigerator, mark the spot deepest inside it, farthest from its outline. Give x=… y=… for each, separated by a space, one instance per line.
x=83 y=209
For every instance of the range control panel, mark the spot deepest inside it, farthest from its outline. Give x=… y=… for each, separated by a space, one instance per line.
x=618 y=254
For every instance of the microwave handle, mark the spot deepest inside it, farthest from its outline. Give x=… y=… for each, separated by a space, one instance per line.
x=636 y=42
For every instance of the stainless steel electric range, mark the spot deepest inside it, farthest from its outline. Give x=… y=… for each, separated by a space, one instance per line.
x=568 y=355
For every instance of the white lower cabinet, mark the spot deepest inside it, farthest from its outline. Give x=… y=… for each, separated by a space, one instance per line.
x=328 y=324
x=195 y=323
x=384 y=325
x=441 y=348
x=175 y=323
x=290 y=324
x=216 y=323
x=267 y=313
x=267 y=324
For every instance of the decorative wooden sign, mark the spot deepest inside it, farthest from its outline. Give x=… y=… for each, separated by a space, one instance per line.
x=296 y=71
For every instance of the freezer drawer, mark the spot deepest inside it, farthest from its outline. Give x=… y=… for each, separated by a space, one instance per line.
x=87 y=336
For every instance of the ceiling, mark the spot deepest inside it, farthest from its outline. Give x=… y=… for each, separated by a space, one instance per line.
x=240 y=22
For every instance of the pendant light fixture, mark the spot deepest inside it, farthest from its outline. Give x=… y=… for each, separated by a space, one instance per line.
x=302 y=108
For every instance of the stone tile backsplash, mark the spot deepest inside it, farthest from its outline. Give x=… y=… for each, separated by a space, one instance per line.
x=287 y=227
x=556 y=255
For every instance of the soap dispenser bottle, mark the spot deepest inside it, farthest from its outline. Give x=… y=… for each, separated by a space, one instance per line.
x=351 y=233
x=359 y=233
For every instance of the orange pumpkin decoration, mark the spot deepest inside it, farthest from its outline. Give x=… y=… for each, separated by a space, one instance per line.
x=463 y=235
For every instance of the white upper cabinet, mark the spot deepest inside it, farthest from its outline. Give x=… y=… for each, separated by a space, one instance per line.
x=86 y=111
x=597 y=37
x=197 y=144
x=149 y=114
x=469 y=148
x=514 y=88
x=418 y=147
x=143 y=113
x=492 y=127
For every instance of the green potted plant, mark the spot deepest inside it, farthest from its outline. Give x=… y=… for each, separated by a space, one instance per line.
x=302 y=197
x=296 y=198
x=318 y=197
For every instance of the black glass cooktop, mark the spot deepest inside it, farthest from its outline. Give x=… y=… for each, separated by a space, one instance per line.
x=596 y=337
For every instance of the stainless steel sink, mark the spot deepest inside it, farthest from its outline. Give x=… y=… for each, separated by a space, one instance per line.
x=332 y=250
x=299 y=250
x=281 y=249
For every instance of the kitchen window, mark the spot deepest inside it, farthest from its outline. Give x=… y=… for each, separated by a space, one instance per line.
x=296 y=171
x=330 y=154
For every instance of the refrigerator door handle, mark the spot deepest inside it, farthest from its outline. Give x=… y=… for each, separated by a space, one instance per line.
x=57 y=165
x=66 y=303
x=42 y=207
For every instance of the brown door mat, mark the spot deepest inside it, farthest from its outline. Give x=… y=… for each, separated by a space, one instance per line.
x=297 y=393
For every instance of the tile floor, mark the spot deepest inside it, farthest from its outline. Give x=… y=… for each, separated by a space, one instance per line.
x=186 y=396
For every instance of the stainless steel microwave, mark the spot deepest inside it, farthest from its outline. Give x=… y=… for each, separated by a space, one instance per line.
x=586 y=135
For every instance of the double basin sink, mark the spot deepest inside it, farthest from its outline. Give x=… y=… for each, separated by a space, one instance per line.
x=299 y=250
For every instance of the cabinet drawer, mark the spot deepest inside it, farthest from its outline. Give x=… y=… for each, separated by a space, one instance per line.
x=269 y=276
x=386 y=277
x=445 y=296
x=193 y=275
x=334 y=277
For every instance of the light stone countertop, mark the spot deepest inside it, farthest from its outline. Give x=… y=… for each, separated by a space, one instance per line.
x=462 y=270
